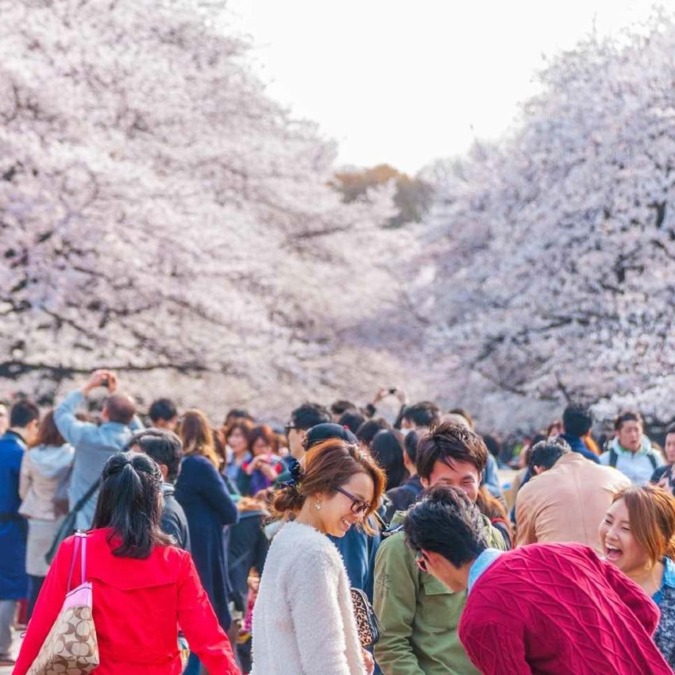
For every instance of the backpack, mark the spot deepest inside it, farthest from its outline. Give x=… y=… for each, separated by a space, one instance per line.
x=614 y=458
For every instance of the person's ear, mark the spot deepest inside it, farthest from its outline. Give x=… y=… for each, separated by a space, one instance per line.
x=425 y=482
x=164 y=469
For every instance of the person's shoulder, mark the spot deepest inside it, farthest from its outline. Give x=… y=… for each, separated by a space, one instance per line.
x=393 y=544
x=306 y=544
x=197 y=464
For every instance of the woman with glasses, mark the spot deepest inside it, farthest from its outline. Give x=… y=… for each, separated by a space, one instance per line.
x=303 y=622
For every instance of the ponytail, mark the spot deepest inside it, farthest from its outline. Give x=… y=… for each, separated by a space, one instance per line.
x=130 y=505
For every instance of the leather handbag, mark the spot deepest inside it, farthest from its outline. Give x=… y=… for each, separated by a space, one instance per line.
x=367 y=623
x=71 y=645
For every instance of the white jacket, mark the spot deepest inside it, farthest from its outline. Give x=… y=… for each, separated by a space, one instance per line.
x=303 y=620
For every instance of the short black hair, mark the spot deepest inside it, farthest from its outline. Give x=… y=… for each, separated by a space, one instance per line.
x=670 y=429
x=387 y=450
x=423 y=414
x=577 y=420
x=163 y=446
x=366 y=432
x=162 y=409
x=23 y=413
x=547 y=453
x=493 y=445
x=628 y=416
x=410 y=445
x=450 y=442
x=234 y=414
x=341 y=405
x=446 y=521
x=352 y=419
x=308 y=415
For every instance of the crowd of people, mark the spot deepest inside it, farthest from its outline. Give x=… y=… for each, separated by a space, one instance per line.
x=340 y=543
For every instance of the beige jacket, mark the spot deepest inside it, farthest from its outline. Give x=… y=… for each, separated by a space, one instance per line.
x=567 y=502
x=43 y=481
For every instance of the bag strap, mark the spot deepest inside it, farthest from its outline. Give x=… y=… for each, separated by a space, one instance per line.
x=613 y=458
x=81 y=541
x=86 y=497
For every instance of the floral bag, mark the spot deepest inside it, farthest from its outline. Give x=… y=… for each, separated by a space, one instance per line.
x=71 y=646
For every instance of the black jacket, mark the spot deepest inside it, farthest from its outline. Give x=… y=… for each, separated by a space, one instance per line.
x=174 y=521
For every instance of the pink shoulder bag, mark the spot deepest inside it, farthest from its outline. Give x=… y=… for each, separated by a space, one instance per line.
x=71 y=646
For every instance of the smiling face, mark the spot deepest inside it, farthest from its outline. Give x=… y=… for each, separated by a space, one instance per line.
x=336 y=515
x=618 y=543
x=462 y=475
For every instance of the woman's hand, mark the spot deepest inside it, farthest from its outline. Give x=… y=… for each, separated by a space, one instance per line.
x=368 y=661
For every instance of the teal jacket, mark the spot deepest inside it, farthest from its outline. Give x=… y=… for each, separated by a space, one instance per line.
x=419 y=615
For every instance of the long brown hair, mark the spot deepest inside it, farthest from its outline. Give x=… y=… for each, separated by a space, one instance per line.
x=327 y=466
x=651 y=514
x=195 y=432
x=48 y=434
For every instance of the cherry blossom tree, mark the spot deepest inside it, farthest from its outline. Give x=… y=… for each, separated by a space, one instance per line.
x=555 y=248
x=161 y=215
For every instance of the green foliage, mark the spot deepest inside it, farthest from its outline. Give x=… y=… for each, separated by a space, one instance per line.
x=412 y=199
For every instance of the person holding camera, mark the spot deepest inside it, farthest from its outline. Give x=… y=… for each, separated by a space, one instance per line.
x=94 y=444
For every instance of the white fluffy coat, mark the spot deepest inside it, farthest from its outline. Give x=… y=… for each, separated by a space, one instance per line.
x=303 y=620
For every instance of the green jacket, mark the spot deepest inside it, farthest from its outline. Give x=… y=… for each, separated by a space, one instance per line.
x=419 y=615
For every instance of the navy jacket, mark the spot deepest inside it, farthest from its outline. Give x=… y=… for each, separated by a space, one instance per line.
x=13 y=529
x=358 y=551
x=577 y=445
x=201 y=491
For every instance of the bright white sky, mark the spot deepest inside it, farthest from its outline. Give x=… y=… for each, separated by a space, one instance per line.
x=408 y=82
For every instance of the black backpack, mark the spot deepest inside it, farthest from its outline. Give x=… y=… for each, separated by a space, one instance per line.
x=614 y=458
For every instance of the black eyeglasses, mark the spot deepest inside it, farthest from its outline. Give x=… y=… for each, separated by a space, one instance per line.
x=288 y=427
x=359 y=506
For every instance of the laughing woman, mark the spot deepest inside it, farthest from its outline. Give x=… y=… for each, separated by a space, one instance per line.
x=638 y=536
x=303 y=622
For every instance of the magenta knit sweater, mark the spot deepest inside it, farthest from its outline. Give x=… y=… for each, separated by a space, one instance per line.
x=557 y=609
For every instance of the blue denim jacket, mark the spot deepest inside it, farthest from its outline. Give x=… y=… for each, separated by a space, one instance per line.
x=93 y=446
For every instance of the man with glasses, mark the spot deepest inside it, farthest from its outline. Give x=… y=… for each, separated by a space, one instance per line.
x=302 y=419
x=419 y=614
x=543 y=608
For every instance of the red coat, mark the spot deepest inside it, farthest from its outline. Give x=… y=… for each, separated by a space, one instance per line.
x=138 y=605
x=558 y=608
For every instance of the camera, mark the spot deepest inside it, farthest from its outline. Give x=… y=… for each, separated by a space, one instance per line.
x=105 y=383
x=392 y=390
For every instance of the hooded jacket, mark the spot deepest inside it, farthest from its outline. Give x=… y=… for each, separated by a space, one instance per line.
x=43 y=481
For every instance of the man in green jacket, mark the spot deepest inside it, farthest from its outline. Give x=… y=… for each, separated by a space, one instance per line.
x=420 y=615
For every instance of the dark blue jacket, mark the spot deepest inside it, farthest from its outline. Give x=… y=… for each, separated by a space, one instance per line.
x=201 y=491
x=577 y=445
x=358 y=551
x=13 y=530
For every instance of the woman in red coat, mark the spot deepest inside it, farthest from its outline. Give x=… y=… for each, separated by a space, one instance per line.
x=143 y=588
